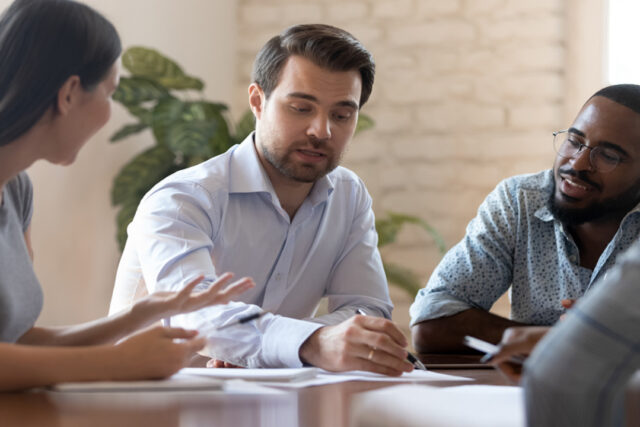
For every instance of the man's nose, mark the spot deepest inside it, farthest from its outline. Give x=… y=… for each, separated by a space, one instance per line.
x=582 y=159
x=320 y=127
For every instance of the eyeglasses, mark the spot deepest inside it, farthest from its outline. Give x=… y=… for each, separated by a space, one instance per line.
x=567 y=145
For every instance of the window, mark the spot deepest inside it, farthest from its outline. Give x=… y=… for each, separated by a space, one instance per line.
x=623 y=62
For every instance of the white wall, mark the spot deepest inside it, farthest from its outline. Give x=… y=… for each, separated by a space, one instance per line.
x=74 y=224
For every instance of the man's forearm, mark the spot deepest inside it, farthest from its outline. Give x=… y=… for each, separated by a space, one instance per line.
x=445 y=334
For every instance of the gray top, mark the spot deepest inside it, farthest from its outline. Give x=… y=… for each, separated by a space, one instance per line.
x=20 y=292
x=576 y=376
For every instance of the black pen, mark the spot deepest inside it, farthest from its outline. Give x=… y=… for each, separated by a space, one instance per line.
x=410 y=357
x=242 y=320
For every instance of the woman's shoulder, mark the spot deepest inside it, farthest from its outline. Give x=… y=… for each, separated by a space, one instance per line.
x=19 y=187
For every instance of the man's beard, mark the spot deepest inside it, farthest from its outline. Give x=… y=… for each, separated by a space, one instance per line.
x=301 y=172
x=613 y=207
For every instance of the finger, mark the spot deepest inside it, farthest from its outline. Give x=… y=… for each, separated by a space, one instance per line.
x=383 y=325
x=385 y=359
x=176 y=333
x=195 y=344
x=370 y=366
x=567 y=303
x=381 y=341
x=509 y=350
x=213 y=296
x=234 y=289
x=186 y=291
x=219 y=283
x=512 y=371
x=215 y=363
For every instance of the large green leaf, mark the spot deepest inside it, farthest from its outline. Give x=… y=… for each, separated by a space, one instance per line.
x=165 y=114
x=143 y=114
x=151 y=64
x=191 y=138
x=141 y=173
x=134 y=90
x=127 y=130
x=403 y=278
x=244 y=127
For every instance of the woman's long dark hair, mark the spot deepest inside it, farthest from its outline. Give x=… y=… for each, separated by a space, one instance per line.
x=42 y=44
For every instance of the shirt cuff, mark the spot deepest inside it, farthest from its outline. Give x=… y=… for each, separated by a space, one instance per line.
x=434 y=305
x=282 y=341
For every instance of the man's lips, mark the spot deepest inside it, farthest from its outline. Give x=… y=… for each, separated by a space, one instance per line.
x=574 y=187
x=311 y=155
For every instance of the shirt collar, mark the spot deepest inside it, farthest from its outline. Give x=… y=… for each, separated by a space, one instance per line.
x=246 y=175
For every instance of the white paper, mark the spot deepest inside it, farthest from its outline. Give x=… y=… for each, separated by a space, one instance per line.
x=324 y=377
x=422 y=405
x=179 y=381
x=260 y=375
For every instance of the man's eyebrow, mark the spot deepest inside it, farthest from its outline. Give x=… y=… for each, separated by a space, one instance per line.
x=607 y=144
x=302 y=95
x=576 y=131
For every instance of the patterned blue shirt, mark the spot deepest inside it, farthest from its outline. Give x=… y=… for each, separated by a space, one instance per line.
x=514 y=241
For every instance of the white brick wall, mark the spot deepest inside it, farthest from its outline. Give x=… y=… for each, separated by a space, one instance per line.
x=467 y=92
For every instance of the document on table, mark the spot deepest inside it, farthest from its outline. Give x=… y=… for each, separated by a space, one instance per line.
x=178 y=381
x=420 y=405
x=258 y=375
x=308 y=377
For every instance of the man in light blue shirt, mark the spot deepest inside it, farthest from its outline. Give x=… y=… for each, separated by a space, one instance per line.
x=547 y=237
x=279 y=209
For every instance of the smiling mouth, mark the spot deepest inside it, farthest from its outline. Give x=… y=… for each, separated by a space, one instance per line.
x=575 y=184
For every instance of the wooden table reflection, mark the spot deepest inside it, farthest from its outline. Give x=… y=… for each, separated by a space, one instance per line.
x=320 y=406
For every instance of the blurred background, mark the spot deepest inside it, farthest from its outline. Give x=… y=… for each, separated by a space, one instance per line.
x=467 y=93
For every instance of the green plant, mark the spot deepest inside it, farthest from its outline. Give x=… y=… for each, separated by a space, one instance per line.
x=388 y=229
x=187 y=130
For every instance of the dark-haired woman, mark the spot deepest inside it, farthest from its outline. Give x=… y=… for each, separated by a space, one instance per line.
x=58 y=70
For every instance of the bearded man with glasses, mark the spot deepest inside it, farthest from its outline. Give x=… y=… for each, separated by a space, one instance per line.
x=545 y=237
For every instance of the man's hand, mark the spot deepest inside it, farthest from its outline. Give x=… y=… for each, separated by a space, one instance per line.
x=360 y=343
x=518 y=342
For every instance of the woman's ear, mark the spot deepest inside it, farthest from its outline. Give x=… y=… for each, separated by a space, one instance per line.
x=68 y=94
x=256 y=99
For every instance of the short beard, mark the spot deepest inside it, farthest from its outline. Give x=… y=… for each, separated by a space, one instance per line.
x=614 y=207
x=284 y=166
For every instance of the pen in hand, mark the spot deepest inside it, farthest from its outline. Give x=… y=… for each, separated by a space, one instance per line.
x=410 y=357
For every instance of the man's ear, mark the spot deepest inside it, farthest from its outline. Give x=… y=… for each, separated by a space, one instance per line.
x=256 y=99
x=68 y=94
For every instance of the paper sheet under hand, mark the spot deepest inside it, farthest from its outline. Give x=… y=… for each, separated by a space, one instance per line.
x=421 y=405
x=324 y=377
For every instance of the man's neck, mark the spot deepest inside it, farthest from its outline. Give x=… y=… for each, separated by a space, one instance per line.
x=291 y=193
x=592 y=238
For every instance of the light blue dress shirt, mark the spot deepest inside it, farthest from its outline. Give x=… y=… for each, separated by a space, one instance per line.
x=224 y=215
x=577 y=374
x=515 y=242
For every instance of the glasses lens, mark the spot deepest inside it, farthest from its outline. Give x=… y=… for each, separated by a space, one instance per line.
x=564 y=146
x=603 y=159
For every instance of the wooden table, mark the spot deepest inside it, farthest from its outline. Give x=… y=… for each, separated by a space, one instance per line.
x=320 y=406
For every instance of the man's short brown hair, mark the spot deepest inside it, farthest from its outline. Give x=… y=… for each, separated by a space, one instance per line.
x=326 y=46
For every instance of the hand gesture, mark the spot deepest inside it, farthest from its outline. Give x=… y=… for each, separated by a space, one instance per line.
x=161 y=305
x=360 y=343
x=516 y=342
x=156 y=352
